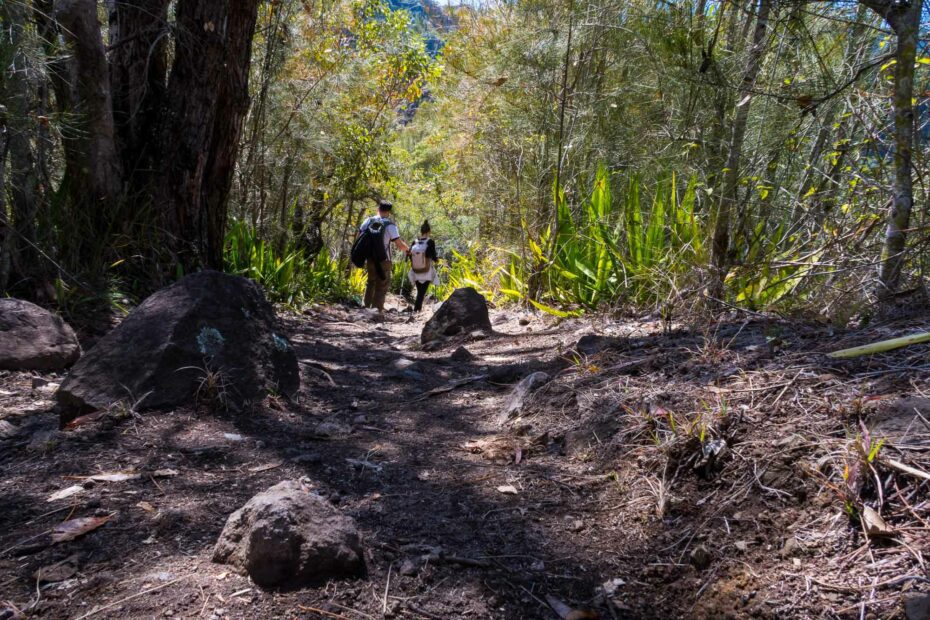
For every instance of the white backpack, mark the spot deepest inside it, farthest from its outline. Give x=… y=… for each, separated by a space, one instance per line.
x=418 y=259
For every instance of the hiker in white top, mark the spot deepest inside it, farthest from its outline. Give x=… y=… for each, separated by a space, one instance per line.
x=379 y=272
x=423 y=259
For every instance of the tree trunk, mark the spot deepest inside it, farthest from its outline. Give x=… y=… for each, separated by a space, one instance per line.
x=308 y=228
x=720 y=258
x=138 y=73
x=904 y=19
x=20 y=260
x=92 y=167
x=208 y=98
x=6 y=232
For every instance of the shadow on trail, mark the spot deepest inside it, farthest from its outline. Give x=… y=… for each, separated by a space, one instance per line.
x=511 y=534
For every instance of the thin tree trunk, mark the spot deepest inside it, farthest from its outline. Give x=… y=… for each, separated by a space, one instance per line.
x=93 y=175
x=721 y=258
x=904 y=19
x=19 y=95
x=6 y=232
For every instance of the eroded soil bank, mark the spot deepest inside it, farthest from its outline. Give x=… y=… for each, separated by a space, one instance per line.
x=713 y=472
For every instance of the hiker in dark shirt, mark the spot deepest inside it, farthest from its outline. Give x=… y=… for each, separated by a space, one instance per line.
x=379 y=273
x=423 y=259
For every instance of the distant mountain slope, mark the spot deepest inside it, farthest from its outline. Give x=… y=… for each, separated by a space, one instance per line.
x=433 y=20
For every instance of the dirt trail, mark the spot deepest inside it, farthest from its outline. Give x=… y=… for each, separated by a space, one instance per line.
x=604 y=481
x=364 y=433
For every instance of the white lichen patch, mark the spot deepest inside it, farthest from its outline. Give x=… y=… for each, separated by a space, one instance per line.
x=281 y=343
x=210 y=341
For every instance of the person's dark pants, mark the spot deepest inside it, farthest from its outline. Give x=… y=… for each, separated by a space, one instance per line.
x=421 y=295
x=376 y=288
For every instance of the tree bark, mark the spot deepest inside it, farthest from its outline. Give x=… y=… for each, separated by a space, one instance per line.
x=720 y=257
x=138 y=74
x=6 y=232
x=904 y=19
x=92 y=171
x=20 y=259
x=208 y=98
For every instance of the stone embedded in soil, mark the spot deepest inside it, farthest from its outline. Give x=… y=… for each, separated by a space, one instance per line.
x=465 y=312
x=700 y=557
x=521 y=392
x=210 y=335
x=7 y=430
x=32 y=338
x=408 y=567
x=790 y=548
x=289 y=537
x=329 y=428
x=917 y=608
x=592 y=344
x=461 y=355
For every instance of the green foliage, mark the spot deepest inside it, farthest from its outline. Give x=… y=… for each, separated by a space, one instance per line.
x=286 y=274
x=613 y=250
x=470 y=268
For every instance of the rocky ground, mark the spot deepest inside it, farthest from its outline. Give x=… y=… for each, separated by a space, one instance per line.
x=729 y=471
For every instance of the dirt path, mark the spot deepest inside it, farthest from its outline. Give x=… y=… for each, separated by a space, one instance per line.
x=365 y=433
x=603 y=485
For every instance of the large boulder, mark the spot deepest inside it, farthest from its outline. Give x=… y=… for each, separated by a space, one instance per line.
x=32 y=338
x=465 y=311
x=289 y=537
x=208 y=332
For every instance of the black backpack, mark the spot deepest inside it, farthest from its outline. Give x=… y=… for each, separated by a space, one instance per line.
x=370 y=244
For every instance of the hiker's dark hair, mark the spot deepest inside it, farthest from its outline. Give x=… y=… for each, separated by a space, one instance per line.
x=424 y=228
x=385 y=205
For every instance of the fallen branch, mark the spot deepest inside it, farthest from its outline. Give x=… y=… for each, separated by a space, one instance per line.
x=96 y=611
x=881 y=346
x=322 y=612
x=423 y=612
x=454 y=559
x=316 y=368
x=450 y=386
x=907 y=469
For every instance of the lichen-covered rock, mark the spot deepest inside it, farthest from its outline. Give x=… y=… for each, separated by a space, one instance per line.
x=289 y=537
x=209 y=330
x=32 y=338
x=465 y=312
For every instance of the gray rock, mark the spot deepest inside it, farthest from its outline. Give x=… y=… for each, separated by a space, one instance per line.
x=289 y=537
x=917 y=608
x=408 y=567
x=402 y=363
x=521 y=392
x=331 y=428
x=461 y=355
x=44 y=441
x=32 y=338
x=465 y=312
x=7 y=430
x=592 y=344
x=208 y=327
x=700 y=557
x=501 y=318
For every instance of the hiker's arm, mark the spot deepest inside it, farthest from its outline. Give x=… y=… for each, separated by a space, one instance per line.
x=403 y=247
x=431 y=250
